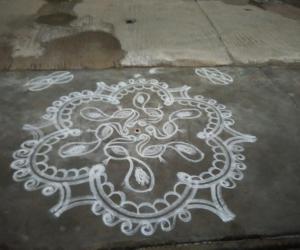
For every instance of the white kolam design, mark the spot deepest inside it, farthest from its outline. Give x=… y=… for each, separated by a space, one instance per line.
x=142 y=153
x=214 y=76
x=43 y=82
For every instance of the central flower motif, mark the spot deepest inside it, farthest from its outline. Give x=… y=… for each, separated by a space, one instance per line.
x=135 y=128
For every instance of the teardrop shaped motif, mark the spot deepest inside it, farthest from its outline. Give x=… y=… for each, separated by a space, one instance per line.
x=60 y=77
x=103 y=132
x=169 y=128
x=78 y=148
x=185 y=114
x=140 y=99
x=140 y=177
x=153 y=150
x=93 y=114
x=187 y=151
x=123 y=113
x=116 y=151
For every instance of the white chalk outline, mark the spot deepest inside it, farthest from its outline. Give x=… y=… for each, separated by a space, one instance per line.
x=214 y=75
x=31 y=161
x=43 y=82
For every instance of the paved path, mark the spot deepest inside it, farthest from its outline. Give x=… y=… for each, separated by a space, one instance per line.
x=192 y=169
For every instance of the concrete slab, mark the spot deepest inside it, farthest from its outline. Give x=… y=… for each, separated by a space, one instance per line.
x=160 y=33
x=254 y=35
x=89 y=34
x=259 y=201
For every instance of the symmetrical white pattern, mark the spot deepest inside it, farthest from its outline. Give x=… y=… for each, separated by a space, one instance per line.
x=138 y=126
x=44 y=82
x=214 y=75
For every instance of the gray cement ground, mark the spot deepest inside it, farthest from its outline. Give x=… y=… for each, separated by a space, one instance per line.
x=256 y=42
x=50 y=34
x=264 y=102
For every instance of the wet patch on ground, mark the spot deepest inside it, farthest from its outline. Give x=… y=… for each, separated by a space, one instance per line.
x=5 y=56
x=236 y=2
x=57 y=12
x=284 y=10
x=90 y=49
x=56 y=19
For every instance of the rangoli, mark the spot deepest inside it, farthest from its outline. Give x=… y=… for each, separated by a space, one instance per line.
x=140 y=153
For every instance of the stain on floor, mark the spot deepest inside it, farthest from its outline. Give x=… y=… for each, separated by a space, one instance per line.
x=56 y=19
x=90 y=49
x=57 y=12
x=236 y=2
x=285 y=10
x=288 y=10
x=5 y=56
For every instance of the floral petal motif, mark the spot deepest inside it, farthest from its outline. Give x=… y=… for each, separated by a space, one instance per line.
x=214 y=75
x=43 y=82
x=140 y=177
x=185 y=114
x=154 y=150
x=104 y=131
x=93 y=114
x=169 y=128
x=155 y=114
x=117 y=151
x=78 y=148
x=61 y=77
x=187 y=151
x=141 y=99
x=121 y=114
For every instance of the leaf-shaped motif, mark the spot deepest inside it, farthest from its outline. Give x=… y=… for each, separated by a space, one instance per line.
x=214 y=75
x=169 y=128
x=140 y=177
x=153 y=150
x=187 y=151
x=116 y=151
x=104 y=131
x=123 y=113
x=120 y=150
x=43 y=82
x=60 y=77
x=185 y=114
x=74 y=149
x=154 y=112
x=38 y=83
x=93 y=114
x=140 y=99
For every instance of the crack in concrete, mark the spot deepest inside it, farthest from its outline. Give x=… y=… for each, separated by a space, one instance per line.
x=218 y=34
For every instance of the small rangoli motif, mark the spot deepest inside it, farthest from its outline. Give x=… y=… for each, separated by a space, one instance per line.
x=141 y=153
x=214 y=76
x=43 y=82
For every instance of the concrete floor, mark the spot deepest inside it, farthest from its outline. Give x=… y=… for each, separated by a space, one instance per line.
x=264 y=103
x=85 y=34
x=113 y=161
